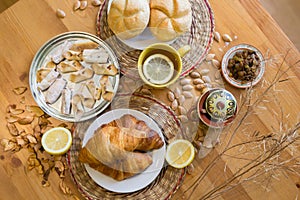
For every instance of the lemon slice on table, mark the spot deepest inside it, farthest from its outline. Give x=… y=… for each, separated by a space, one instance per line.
x=57 y=141
x=158 y=69
x=180 y=153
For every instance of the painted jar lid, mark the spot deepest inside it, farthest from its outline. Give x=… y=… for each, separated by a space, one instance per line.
x=220 y=104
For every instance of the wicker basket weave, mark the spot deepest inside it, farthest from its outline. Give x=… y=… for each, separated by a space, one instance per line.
x=165 y=184
x=200 y=38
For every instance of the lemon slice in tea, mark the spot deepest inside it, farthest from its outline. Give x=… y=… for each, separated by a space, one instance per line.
x=158 y=69
x=57 y=141
x=180 y=153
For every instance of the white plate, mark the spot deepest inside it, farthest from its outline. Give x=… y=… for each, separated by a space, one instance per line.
x=138 y=181
x=142 y=40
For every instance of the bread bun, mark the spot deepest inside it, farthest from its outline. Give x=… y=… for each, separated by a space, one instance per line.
x=128 y=18
x=169 y=18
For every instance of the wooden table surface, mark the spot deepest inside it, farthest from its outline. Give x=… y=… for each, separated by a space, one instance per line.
x=25 y=25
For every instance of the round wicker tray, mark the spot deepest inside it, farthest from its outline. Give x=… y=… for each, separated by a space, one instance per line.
x=169 y=179
x=200 y=38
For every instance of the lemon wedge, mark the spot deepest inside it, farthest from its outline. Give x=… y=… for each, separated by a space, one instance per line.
x=184 y=50
x=158 y=69
x=180 y=153
x=57 y=141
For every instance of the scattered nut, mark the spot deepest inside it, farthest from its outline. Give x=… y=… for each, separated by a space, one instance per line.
x=209 y=57
x=12 y=109
x=217 y=36
x=200 y=86
x=195 y=74
x=21 y=142
x=206 y=79
x=226 y=38
x=177 y=92
x=182 y=110
x=16 y=111
x=187 y=94
x=76 y=5
x=181 y=99
x=19 y=90
x=96 y=2
x=12 y=118
x=204 y=72
x=216 y=63
x=187 y=88
x=27 y=129
x=171 y=96
x=12 y=129
x=60 y=13
x=35 y=110
x=31 y=139
x=174 y=105
x=198 y=81
x=22 y=100
x=83 y=5
x=8 y=145
x=185 y=81
x=26 y=120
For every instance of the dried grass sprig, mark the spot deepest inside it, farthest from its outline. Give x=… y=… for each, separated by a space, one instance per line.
x=266 y=150
x=258 y=166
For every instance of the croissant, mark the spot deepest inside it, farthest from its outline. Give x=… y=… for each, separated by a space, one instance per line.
x=133 y=134
x=109 y=159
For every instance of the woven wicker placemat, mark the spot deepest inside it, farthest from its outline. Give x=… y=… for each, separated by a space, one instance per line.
x=169 y=178
x=200 y=38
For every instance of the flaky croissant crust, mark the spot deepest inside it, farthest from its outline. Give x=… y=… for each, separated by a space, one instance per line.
x=116 y=148
x=132 y=134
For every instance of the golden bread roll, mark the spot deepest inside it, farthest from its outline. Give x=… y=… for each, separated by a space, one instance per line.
x=169 y=18
x=128 y=18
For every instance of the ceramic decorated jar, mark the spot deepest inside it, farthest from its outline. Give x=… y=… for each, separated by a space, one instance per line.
x=220 y=104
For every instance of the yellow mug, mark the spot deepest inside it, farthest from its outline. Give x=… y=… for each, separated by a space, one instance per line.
x=166 y=50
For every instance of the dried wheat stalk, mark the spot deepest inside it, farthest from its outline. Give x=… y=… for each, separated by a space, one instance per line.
x=266 y=157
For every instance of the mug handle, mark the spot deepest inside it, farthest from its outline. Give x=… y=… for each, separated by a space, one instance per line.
x=184 y=50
